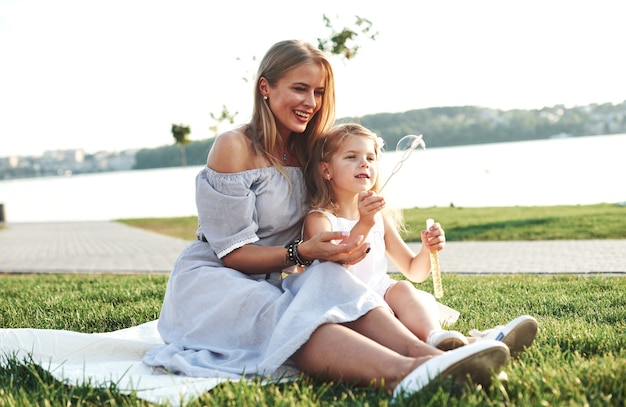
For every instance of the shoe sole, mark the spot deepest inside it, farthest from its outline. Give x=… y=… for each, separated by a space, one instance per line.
x=450 y=344
x=478 y=366
x=477 y=369
x=522 y=334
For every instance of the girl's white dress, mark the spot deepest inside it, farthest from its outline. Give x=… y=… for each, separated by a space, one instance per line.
x=373 y=269
x=219 y=321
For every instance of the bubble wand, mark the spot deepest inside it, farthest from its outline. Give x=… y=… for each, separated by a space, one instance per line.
x=434 y=266
x=407 y=144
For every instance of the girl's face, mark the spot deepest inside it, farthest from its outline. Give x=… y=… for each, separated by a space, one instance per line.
x=296 y=98
x=353 y=167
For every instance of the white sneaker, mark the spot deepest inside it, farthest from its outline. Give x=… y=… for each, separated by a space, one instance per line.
x=517 y=334
x=446 y=340
x=477 y=362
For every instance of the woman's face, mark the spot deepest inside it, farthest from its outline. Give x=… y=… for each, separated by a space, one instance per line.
x=296 y=98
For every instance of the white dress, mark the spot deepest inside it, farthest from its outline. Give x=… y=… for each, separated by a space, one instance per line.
x=218 y=321
x=372 y=270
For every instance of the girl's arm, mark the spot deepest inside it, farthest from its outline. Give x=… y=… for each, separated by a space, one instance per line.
x=414 y=267
x=316 y=224
x=369 y=204
x=330 y=246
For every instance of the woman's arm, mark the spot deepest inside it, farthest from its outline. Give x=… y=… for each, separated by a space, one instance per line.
x=255 y=259
x=232 y=152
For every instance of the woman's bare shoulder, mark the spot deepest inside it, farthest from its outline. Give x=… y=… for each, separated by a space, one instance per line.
x=231 y=152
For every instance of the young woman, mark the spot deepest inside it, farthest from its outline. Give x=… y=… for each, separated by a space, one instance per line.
x=227 y=309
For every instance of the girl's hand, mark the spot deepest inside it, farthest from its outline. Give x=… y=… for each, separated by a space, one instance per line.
x=370 y=203
x=321 y=247
x=434 y=238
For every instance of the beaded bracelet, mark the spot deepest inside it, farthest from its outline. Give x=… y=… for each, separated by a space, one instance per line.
x=293 y=256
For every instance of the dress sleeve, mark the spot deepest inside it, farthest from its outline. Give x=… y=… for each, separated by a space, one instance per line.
x=226 y=210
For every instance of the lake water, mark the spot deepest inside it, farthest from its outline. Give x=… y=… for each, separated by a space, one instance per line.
x=568 y=171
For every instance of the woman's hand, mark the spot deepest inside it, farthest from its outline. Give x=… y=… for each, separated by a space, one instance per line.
x=434 y=238
x=321 y=247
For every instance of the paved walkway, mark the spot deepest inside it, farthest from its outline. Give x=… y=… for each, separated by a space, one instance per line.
x=89 y=247
x=93 y=247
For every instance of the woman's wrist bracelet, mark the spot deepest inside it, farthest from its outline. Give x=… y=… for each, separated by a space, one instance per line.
x=293 y=256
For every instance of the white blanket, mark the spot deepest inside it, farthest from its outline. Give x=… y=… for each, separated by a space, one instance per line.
x=102 y=358
x=74 y=357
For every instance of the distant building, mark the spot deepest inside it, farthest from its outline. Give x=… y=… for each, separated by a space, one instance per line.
x=65 y=162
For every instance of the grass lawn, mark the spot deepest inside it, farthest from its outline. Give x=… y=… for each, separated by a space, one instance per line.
x=578 y=358
x=602 y=221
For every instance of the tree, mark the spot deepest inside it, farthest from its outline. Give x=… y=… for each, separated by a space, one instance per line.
x=180 y=134
x=344 y=43
x=225 y=116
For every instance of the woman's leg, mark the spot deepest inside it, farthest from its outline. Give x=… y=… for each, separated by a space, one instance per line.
x=340 y=353
x=337 y=352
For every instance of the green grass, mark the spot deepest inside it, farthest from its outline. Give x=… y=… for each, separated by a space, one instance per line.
x=182 y=227
x=602 y=221
x=99 y=303
x=578 y=358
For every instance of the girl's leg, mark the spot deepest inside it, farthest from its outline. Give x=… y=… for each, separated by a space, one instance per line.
x=381 y=326
x=417 y=312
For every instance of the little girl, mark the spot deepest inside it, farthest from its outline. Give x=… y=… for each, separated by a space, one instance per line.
x=342 y=181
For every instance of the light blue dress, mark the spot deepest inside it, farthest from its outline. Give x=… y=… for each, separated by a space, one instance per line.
x=216 y=321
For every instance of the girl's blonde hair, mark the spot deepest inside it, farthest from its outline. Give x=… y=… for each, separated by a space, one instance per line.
x=320 y=194
x=281 y=58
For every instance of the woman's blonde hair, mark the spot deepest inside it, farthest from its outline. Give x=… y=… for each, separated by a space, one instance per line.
x=320 y=194
x=281 y=58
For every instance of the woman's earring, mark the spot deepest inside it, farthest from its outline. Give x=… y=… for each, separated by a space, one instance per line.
x=265 y=97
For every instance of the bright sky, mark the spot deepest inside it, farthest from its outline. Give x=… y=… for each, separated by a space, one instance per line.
x=116 y=74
